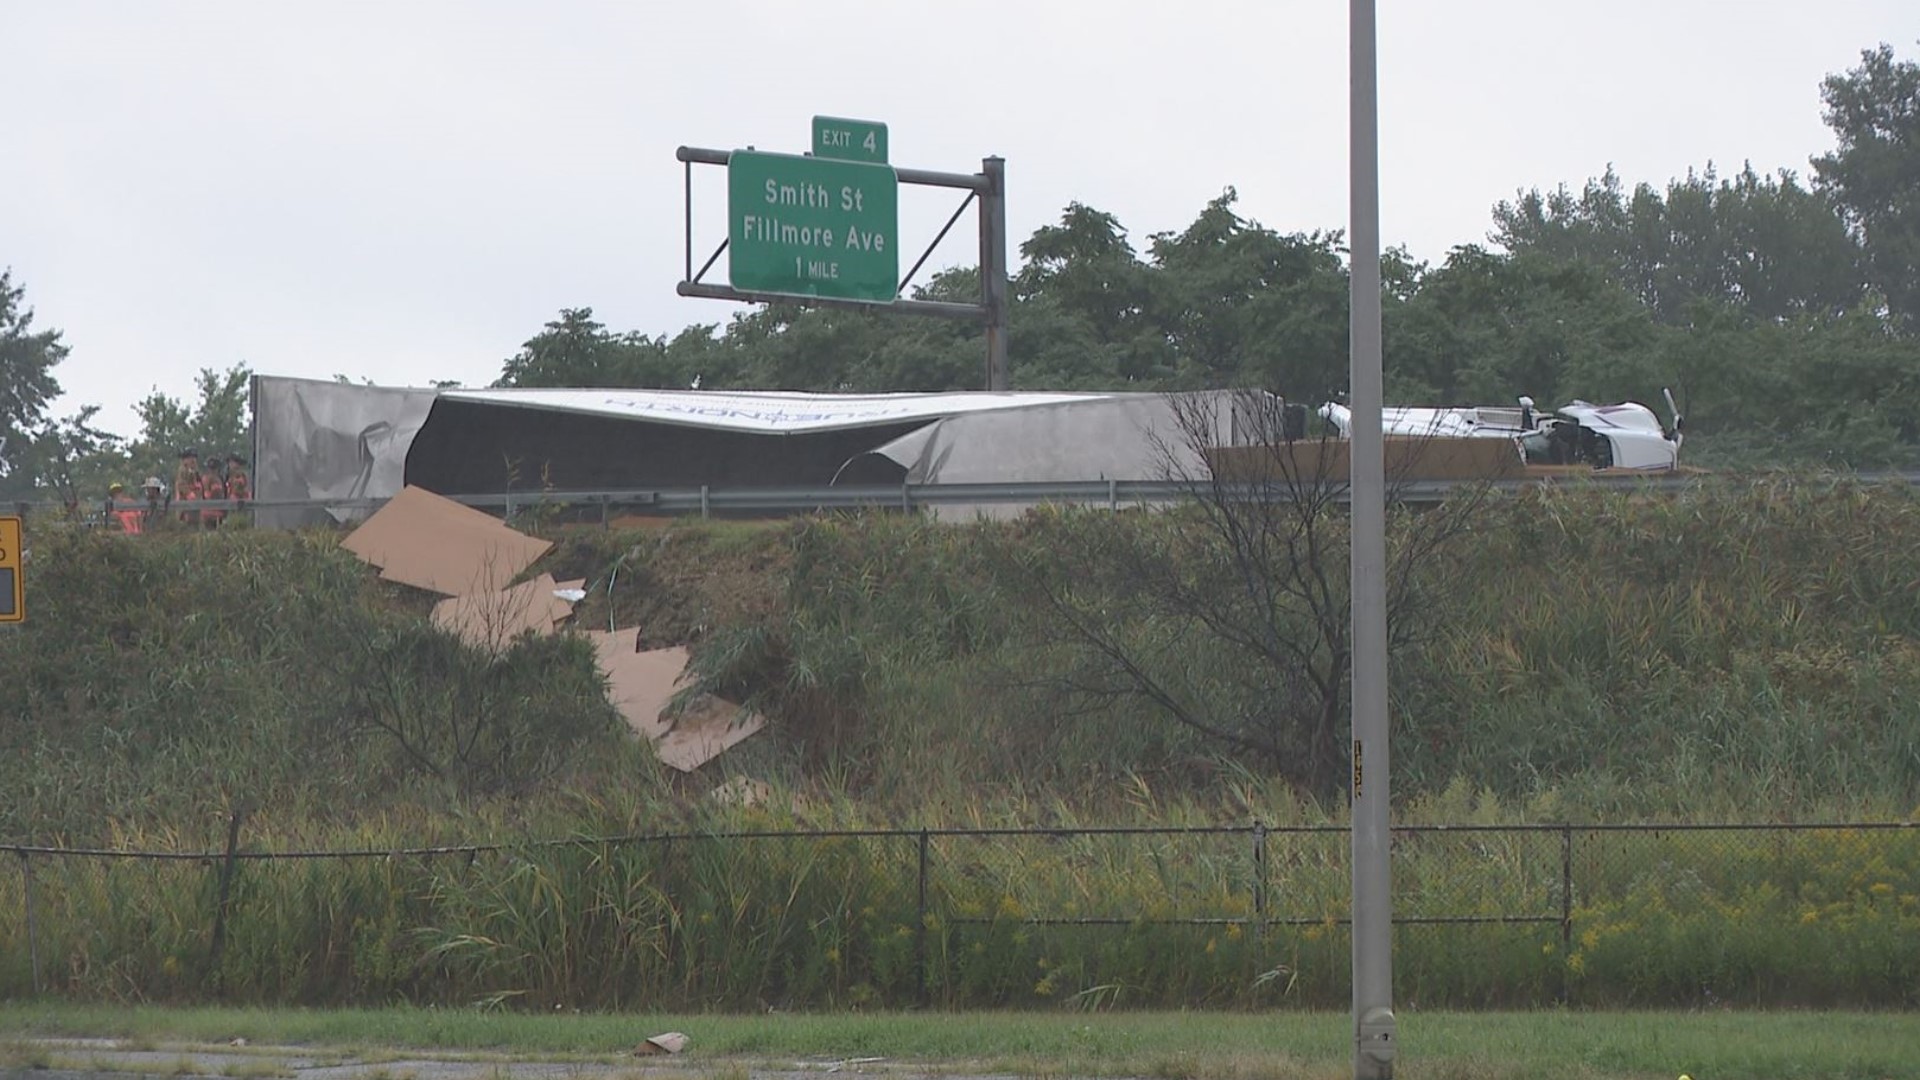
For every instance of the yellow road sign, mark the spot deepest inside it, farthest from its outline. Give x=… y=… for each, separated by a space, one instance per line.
x=13 y=592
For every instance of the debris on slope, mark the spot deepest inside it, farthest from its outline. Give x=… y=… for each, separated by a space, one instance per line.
x=491 y=620
x=431 y=542
x=642 y=684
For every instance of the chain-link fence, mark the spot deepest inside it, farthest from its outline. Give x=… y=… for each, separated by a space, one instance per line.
x=1233 y=915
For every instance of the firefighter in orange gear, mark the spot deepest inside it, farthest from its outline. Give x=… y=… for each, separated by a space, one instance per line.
x=186 y=484
x=213 y=488
x=238 y=487
x=122 y=511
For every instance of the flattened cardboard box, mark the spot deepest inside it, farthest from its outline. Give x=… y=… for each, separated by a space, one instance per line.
x=492 y=620
x=642 y=684
x=431 y=542
x=709 y=728
x=639 y=684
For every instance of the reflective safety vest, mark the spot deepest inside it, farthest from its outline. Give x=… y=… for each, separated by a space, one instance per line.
x=212 y=488
x=187 y=489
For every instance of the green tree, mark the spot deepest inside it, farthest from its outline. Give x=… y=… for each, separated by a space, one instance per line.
x=1246 y=306
x=1080 y=317
x=1486 y=328
x=1762 y=243
x=76 y=461
x=1874 y=172
x=576 y=350
x=27 y=386
x=1087 y=266
x=1840 y=389
x=217 y=423
x=573 y=350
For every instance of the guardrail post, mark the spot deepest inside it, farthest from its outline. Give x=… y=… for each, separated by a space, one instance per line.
x=219 y=942
x=1113 y=495
x=703 y=501
x=33 y=929
x=1566 y=912
x=920 y=931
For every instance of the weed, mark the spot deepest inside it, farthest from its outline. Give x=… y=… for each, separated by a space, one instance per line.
x=24 y=1054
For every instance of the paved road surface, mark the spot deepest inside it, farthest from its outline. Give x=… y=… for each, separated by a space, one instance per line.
x=112 y=1059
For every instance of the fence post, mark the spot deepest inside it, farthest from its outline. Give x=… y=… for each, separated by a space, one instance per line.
x=226 y=891
x=33 y=930
x=1259 y=877
x=1566 y=913
x=920 y=930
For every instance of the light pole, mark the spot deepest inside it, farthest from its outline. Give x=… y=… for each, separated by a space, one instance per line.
x=1373 y=1031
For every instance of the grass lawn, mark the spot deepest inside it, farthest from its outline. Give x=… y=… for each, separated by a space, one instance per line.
x=1586 y=1046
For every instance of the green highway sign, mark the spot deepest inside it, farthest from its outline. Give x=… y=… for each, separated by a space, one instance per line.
x=812 y=226
x=849 y=140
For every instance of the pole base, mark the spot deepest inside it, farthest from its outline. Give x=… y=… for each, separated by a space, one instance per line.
x=1375 y=1045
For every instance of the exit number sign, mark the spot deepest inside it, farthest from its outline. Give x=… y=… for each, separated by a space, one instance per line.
x=849 y=140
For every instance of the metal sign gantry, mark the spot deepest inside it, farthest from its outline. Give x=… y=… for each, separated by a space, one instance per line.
x=826 y=227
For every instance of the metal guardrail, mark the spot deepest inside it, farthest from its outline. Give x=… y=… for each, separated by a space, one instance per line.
x=1113 y=493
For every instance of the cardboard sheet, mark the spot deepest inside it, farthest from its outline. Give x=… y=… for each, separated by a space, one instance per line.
x=708 y=729
x=431 y=542
x=492 y=620
x=640 y=684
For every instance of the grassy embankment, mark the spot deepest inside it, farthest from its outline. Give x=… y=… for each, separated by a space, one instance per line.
x=1745 y=652
x=1267 y=1046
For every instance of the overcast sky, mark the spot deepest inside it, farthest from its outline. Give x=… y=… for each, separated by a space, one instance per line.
x=406 y=191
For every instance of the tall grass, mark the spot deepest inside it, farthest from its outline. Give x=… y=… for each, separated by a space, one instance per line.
x=163 y=683
x=771 y=920
x=1747 y=650
x=1751 y=645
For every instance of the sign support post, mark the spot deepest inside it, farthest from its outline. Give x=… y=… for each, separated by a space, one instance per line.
x=993 y=270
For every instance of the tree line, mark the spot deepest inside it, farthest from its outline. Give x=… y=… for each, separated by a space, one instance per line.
x=1783 y=311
